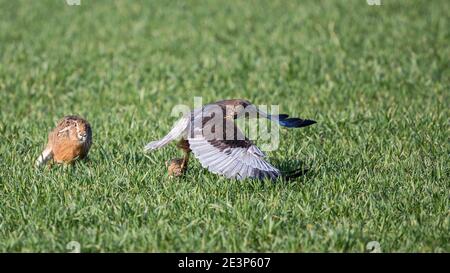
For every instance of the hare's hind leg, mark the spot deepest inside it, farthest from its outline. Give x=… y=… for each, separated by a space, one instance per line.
x=44 y=157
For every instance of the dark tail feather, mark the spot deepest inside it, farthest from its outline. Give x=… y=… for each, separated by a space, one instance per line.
x=296 y=122
x=294 y=174
x=285 y=121
x=279 y=117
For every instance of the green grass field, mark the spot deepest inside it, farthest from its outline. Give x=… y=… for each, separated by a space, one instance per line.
x=375 y=78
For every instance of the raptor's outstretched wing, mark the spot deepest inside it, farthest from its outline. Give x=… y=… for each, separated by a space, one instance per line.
x=178 y=129
x=223 y=149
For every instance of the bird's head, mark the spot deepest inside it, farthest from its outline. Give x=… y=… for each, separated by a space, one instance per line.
x=235 y=108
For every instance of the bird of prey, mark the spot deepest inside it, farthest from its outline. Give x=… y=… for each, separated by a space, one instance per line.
x=69 y=141
x=210 y=133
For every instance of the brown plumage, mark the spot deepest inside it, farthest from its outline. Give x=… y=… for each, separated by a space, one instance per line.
x=69 y=141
